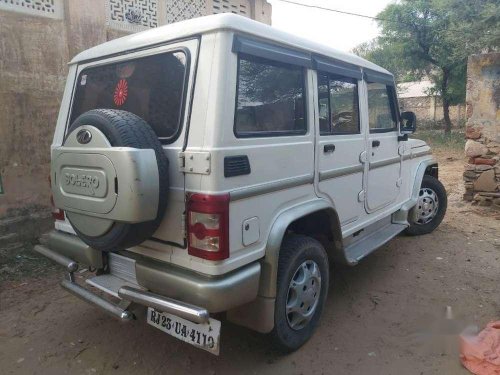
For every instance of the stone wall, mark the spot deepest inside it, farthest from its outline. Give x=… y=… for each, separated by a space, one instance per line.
x=37 y=39
x=482 y=173
x=429 y=111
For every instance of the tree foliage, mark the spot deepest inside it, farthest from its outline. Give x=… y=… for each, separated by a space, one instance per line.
x=433 y=38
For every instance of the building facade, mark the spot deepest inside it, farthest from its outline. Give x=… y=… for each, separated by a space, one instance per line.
x=37 y=39
x=417 y=97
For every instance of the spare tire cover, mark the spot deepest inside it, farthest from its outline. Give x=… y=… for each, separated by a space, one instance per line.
x=121 y=129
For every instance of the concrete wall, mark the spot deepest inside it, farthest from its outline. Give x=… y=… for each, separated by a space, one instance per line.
x=35 y=50
x=482 y=174
x=429 y=111
x=32 y=69
x=35 y=46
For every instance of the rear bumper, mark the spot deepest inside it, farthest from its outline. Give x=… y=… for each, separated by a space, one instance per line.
x=216 y=294
x=71 y=247
x=164 y=281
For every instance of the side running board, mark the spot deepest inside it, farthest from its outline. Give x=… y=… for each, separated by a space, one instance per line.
x=359 y=249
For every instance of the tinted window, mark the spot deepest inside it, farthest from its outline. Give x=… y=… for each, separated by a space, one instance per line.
x=382 y=116
x=270 y=98
x=338 y=104
x=151 y=87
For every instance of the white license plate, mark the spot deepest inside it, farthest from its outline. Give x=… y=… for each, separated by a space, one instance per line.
x=205 y=336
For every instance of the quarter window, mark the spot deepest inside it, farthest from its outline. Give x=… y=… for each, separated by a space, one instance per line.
x=338 y=104
x=270 y=98
x=381 y=109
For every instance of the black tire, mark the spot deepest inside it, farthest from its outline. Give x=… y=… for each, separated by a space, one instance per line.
x=415 y=228
x=295 y=250
x=124 y=129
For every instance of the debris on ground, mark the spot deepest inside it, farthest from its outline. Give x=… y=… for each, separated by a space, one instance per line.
x=481 y=354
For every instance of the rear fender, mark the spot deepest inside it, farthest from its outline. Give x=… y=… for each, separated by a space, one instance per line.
x=269 y=273
x=259 y=314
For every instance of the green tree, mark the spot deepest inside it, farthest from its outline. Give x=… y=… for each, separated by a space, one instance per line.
x=433 y=38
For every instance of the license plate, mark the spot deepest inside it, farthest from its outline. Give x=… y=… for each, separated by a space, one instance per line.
x=205 y=336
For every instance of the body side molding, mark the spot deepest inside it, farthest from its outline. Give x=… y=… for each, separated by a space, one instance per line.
x=270 y=187
x=338 y=172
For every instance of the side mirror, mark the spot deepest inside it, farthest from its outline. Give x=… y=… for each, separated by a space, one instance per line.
x=408 y=123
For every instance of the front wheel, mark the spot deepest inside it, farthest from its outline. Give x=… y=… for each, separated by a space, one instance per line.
x=303 y=277
x=430 y=208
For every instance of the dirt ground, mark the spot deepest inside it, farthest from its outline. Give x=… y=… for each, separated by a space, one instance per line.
x=382 y=316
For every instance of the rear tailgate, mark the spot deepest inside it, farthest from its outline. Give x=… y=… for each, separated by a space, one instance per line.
x=155 y=84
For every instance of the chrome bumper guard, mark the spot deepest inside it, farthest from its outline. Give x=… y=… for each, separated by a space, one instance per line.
x=70 y=265
x=163 y=304
x=126 y=293
x=94 y=299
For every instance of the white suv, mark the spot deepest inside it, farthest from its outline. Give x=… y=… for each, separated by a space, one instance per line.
x=218 y=165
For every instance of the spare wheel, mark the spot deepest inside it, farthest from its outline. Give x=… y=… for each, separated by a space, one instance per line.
x=111 y=178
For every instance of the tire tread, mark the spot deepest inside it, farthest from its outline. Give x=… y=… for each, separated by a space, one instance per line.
x=437 y=186
x=292 y=248
x=125 y=129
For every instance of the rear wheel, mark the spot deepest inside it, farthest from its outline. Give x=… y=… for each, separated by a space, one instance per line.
x=430 y=208
x=303 y=277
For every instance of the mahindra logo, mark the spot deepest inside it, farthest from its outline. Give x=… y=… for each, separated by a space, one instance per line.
x=83 y=136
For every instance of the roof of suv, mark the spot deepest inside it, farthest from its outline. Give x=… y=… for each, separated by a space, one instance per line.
x=207 y=24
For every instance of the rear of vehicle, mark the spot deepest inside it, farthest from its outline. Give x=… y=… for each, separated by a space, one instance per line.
x=128 y=160
x=188 y=167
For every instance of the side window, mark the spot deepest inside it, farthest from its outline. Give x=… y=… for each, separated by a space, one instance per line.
x=381 y=109
x=270 y=98
x=338 y=104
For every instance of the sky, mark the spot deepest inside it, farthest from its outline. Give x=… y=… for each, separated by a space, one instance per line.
x=339 y=31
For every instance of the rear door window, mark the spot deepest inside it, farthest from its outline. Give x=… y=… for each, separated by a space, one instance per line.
x=151 y=87
x=338 y=104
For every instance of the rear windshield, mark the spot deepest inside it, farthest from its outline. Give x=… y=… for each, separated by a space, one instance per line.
x=150 y=87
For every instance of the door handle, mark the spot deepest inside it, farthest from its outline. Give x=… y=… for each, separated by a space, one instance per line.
x=375 y=143
x=329 y=148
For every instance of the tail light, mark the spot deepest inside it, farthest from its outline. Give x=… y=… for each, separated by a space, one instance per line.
x=208 y=226
x=57 y=213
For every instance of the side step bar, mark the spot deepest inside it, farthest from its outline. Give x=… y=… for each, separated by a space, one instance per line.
x=128 y=294
x=71 y=266
x=358 y=250
x=164 y=304
x=94 y=299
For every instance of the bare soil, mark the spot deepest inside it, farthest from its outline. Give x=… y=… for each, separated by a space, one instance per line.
x=383 y=316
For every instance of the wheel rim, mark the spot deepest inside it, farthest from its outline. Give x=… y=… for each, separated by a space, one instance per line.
x=427 y=206
x=303 y=294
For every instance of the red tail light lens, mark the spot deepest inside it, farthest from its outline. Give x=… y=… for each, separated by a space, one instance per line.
x=208 y=226
x=57 y=213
